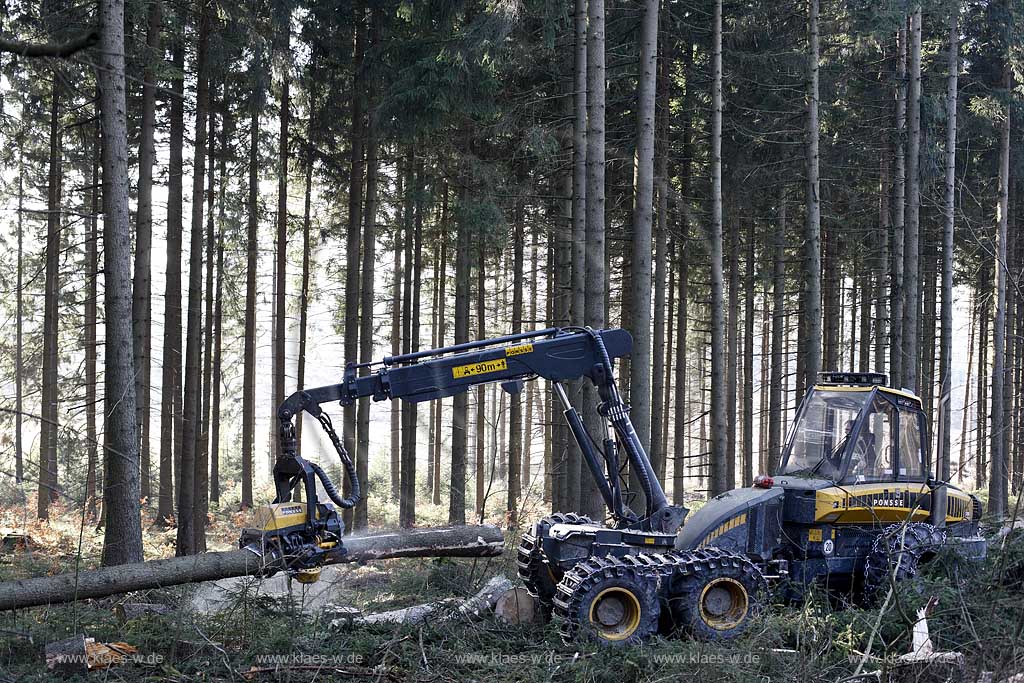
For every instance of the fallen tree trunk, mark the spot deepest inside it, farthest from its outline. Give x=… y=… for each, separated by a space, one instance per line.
x=462 y=541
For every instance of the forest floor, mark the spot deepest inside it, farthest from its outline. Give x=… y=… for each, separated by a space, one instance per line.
x=245 y=630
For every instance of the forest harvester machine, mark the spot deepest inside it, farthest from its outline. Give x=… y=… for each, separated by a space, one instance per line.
x=851 y=506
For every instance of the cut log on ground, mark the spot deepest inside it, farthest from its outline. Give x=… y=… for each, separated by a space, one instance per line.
x=472 y=608
x=463 y=541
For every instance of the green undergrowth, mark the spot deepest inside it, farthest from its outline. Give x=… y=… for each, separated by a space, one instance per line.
x=980 y=612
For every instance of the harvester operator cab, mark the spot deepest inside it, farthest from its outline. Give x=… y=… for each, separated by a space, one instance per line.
x=852 y=429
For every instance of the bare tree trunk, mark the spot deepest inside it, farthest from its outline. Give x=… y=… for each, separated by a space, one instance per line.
x=643 y=214
x=962 y=463
x=896 y=360
x=681 y=421
x=352 y=238
x=218 y=322
x=307 y=249
x=748 y=363
x=681 y=418
x=981 y=414
x=480 y=409
x=281 y=243
x=457 y=498
x=141 y=286
x=90 y=333
x=366 y=299
x=170 y=390
x=410 y=414
x=201 y=503
x=463 y=541
x=190 y=530
x=775 y=397
x=403 y=195
x=812 y=231
x=583 y=496
x=732 y=351
x=91 y=298
x=659 y=398
x=997 y=484
x=515 y=421
x=122 y=532
x=946 y=343
x=882 y=269
x=531 y=388
x=252 y=265
x=442 y=275
x=911 y=246
x=48 y=429
x=719 y=427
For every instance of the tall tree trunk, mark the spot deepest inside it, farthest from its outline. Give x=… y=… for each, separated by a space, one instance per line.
x=401 y=190
x=643 y=214
x=281 y=243
x=91 y=298
x=882 y=270
x=414 y=272
x=564 y=480
x=90 y=334
x=812 y=230
x=218 y=328
x=997 y=484
x=252 y=265
x=480 y=409
x=748 y=363
x=307 y=251
x=776 y=397
x=48 y=434
x=531 y=387
x=201 y=503
x=191 y=533
x=911 y=246
x=122 y=533
x=984 y=308
x=946 y=313
x=366 y=287
x=681 y=418
x=965 y=415
x=732 y=352
x=357 y=164
x=659 y=399
x=141 y=285
x=898 y=304
x=457 y=497
x=584 y=494
x=170 y=389
x=681 y=422
x=719 y=426
x=515 y=421
x=442 y=275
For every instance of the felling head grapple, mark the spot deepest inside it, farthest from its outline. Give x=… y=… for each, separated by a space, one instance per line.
x=299 y=536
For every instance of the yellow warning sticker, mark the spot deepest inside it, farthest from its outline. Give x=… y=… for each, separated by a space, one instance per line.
x=518 y=350
x=481 y=368
x=814 y=535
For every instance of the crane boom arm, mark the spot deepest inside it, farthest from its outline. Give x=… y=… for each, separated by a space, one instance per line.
x=555 y=354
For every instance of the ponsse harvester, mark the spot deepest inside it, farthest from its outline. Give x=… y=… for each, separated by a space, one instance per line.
x=851 y=506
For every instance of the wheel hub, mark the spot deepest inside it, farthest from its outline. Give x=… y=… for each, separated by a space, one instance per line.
x=723 y=603
x=615 y=613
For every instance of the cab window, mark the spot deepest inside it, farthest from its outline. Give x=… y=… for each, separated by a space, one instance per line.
x=910 y=447
x=874 y=449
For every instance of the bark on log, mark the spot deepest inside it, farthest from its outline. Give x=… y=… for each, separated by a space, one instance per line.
x=460 y=541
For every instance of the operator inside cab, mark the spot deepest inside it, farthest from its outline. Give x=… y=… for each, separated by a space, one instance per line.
x=864 y=458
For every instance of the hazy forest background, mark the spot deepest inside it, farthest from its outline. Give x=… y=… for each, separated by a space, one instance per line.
x=219 y=203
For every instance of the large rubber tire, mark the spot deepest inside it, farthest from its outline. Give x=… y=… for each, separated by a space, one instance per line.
x=605 y=601
x=540 y=578
x=896 y=556
x=717 y=594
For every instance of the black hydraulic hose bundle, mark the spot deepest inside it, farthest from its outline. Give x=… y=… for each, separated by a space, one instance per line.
x=346 y=461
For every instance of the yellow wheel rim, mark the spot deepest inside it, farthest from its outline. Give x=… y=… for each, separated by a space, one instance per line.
x=723 y=604
x=615 y=613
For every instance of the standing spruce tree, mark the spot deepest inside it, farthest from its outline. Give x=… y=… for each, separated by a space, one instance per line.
x=122 y=535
